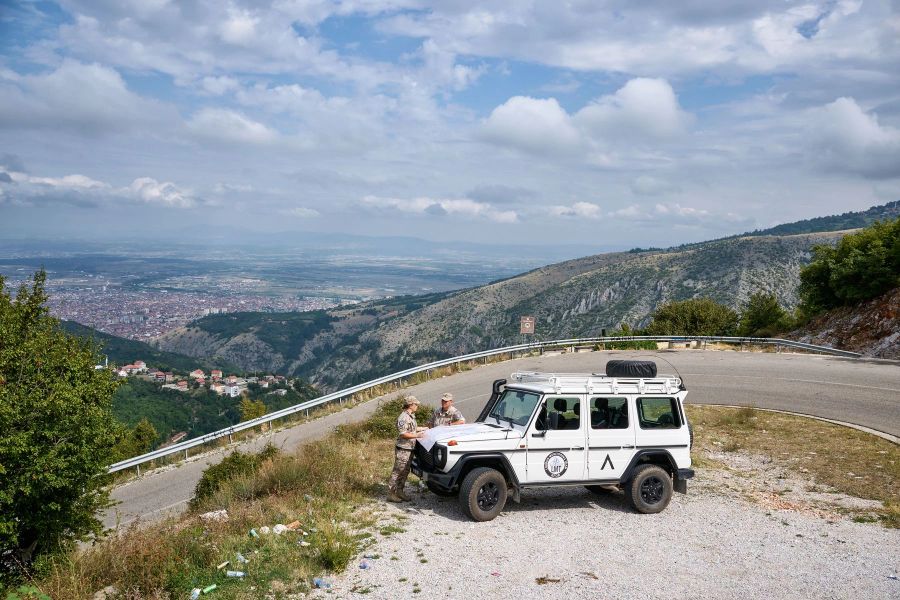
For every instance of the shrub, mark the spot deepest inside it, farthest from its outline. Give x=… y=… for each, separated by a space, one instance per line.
x=763 y=316
x=231 y=467
x=698 y=316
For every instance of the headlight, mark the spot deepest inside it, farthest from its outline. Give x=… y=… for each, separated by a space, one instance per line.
x=440 y=455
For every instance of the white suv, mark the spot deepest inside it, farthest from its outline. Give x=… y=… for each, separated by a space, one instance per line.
x=626 y=428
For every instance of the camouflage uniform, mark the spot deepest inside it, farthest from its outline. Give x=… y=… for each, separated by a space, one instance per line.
x=445 y=417
x=406 y=423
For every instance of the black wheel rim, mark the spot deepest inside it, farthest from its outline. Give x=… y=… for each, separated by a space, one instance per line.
x=488 y=496
x=652 y=490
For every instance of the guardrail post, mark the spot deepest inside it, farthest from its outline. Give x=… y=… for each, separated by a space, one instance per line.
x=185 y=453
x=138 y=470
x=230 y=439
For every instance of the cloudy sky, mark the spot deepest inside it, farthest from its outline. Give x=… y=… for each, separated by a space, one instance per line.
x=609 y=123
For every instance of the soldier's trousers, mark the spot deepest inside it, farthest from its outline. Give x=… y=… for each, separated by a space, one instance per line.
x=402 y=457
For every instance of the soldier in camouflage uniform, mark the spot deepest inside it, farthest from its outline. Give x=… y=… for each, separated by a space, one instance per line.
x=447 y=414
x=407 y=433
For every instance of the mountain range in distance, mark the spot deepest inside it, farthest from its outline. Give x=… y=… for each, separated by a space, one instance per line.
x=574 y=298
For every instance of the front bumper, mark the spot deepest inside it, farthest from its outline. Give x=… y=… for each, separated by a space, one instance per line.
x=431 y=474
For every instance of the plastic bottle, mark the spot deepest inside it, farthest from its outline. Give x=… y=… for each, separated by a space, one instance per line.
x=234 y=573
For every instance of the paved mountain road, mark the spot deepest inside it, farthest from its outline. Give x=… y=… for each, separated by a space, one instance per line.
x=858 y=391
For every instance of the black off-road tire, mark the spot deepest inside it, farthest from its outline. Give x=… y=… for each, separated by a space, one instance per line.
x=650 y=489
x=439 y=491
x=691 y=432
x=482 y=494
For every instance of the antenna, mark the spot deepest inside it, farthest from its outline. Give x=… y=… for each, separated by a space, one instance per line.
x=664 y=360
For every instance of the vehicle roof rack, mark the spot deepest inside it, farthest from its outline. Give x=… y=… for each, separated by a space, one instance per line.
x=599 y=383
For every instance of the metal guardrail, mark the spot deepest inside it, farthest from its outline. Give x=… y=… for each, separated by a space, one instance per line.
x=347 y=392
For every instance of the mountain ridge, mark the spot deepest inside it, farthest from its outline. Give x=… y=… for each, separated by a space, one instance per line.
x=576 y=297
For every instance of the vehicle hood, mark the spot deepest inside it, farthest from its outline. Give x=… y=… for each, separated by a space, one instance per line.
x=467 y=433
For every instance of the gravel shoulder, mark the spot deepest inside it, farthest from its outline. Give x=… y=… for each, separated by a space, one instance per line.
x=743 y=531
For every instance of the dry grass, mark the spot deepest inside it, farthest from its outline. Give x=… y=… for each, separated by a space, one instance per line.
x=843 y=459
x=325 y=486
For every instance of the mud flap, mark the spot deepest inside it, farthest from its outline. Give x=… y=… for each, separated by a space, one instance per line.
x=681 y=485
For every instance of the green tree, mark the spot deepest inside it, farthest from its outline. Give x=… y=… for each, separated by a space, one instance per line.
x=698 y=316
x=862 y=266
x=57 y=431
x=251 y=409
x=137 y=441
x=763 y=316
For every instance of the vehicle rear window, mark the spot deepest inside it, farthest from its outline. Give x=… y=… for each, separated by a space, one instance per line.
x=658 y=413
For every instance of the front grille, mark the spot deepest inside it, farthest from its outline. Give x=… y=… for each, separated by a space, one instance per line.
x=424 y=457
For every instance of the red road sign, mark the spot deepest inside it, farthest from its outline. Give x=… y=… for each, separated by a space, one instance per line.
x=526 y=325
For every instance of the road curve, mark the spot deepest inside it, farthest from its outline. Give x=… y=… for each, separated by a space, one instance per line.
x=859 y=391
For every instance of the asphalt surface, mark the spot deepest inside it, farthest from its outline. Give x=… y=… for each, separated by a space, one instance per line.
x=859 y=391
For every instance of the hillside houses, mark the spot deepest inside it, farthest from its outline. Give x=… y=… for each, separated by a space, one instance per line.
x=231 y=386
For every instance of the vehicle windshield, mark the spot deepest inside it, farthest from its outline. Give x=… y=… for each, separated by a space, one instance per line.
x=515 y=407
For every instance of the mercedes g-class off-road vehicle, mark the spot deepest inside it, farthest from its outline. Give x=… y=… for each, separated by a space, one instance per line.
x=626 y=428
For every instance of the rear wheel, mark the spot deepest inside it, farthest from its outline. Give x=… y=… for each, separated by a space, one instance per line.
x=438 y=490
x=482 y=494
x=650 y=489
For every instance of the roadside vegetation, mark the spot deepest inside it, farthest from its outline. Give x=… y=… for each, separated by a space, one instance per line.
x=326 y=485
x=57 y=434
x=837 y=458
x=863 y=265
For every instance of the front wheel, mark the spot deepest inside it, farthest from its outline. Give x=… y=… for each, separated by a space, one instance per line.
x=482 y=494
x=650 y=490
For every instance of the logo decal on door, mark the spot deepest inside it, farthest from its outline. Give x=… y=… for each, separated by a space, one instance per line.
x=555 y=464
x=608 y=461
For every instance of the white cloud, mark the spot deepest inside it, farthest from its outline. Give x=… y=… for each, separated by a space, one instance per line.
x=230 y=126
x=641 y=110
x=439 y=207
x=646 y=107
x=219 y=85
x=539 y=126
x=586 y=210
x=76 y=182
x=239 y=28
x=151 y=191
x=302 y=212
x=87 y=98
x=843 y=136
x=81 y=190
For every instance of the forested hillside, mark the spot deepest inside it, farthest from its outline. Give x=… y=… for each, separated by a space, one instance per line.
x=121 y=351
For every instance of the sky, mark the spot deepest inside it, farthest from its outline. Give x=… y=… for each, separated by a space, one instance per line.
x=613 y=123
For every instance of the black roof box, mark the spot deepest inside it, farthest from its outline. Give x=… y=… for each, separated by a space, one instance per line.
x=631 y=368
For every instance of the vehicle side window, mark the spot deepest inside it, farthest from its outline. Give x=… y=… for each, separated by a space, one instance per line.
x=658 y=413
x=609 y=413
x=563 y=413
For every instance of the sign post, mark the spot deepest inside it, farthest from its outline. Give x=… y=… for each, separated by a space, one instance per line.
x=526 y=325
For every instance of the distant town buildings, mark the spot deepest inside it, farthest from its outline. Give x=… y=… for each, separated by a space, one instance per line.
x=231 y=386
x=146 y=314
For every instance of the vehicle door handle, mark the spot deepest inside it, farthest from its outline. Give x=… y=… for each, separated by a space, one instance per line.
x=577 y=447
x=627 y=446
